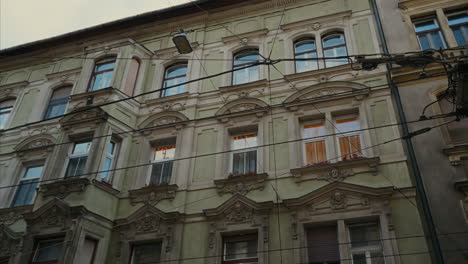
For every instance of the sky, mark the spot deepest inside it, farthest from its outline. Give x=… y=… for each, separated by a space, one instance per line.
x=23 y=21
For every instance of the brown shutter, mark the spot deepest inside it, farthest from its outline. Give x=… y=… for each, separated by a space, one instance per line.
x=322 y=244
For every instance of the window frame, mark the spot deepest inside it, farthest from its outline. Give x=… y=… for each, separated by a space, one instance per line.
x=454 y=13
x=114 y=159
x=242 y=150
x=143 y=243
x=245 y=52
x=296 y=54
x=64 y=99
x=24 y=171
x=425 y=32
x=322 y=138
x=70 y=156
x=345 y=45
x=47 y=239
x=239 y=238
x=165 y=79
x=95 y=72
x=367 y=250
x=340 y=134
x=173 y=144
x=9 y=113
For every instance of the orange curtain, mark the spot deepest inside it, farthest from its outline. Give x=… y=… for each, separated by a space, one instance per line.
x=315 y=152
x=350 y=147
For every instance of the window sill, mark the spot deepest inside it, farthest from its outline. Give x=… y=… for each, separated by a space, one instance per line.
x=9 y=216
x=456 y=154
x=107 y=187
x=62 y=188
x=153 y=194
x=241 y=184
x=338 y=171
x=167 y=99
x=320 y=73
x=245 y=86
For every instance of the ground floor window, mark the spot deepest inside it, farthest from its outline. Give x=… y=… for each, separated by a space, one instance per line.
x=240 y=249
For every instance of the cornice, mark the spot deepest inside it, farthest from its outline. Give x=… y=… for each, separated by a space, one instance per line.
x=245 y=86
x=252 y=34
x=63 y=74
x=315 y=23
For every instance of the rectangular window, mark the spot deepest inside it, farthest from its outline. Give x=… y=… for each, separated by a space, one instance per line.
x=102 y=75
x=314 y=144
x=244 y=156
x=88 y=251
x=109 y=160
x=366 y=247
x=48 y=251
x=163 y=162
x=5 y=111
x=146 y=253
x=26 y=190
x=458 y=22
x=58 y=102
x=322 y=245
x=429 y=34
x=349 y=140
x=240 y=249
x=77 y=159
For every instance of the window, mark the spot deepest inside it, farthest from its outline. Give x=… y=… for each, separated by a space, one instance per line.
x=58 y=102
x=88 y=251
x=429 y=34
x=162 y=165
x=366 y=247
x=174 y=76
x=77 y=159
x=244 y=160
x=102 y=74
x=26 y=190
x=458 y=22
x=246 y=75
x=148 y=253
x=48 y=251
x=109 y=160
x=240 y=249
x=305 y=49
x=334 y=45
x=132 y=77
x=315 y=143
x=322 y=245
x=349 y=142
x=5 y=111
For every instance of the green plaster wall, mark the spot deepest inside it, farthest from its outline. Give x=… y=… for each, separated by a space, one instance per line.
x=204 y=166
x=40 y=73
x=396 y=173
x=27 y=106
x=280 y=238
x=195 y=243
x=213 y=65
x=70 y=64
x=279 y=154
x=277 y=53
x=380 y=117
x=363 y=37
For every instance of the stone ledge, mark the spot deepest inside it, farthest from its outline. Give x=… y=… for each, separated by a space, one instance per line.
x=241 y=184
x=107 y=187
x=335 y=172
x=456 y=154
x=153 y=194
x=245 y=86
x=62 y=188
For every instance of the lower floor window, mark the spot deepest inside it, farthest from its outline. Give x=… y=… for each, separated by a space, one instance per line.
x=146 y=253
x=48 y=251
x=322 y=245
x=240 y=249
x=366 y=247
x=244 y=162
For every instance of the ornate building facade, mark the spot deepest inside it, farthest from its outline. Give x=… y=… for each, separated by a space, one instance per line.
x=115 y=148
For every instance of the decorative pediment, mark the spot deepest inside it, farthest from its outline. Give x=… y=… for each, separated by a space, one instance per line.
x=338 y=197
x=55 y=213
x=326 y=91
x=62 y=188
x=242 y=107
x=82 y=115
x=10 y=242
x=37 y=142
x=241 y=184
x=238 y=210
x=164 y=118
x=153 y=194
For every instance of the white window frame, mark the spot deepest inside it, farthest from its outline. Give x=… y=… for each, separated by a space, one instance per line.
x=154 y=161
x=339 y=135
x=113 y=157
x=367 y=250
x=234 y=66
x=324 y=138
x=71 y=155
x=23 y=173
x=243 y=150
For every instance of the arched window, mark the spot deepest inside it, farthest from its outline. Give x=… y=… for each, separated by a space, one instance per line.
x=305 y=49
x=334 y=45
x=175 y=74
x=58 y=102
x=5 y=111
x=132 y=77
x=102 y=74
x=243 y=59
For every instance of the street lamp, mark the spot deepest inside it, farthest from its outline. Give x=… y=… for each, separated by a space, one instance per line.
x=182 y=43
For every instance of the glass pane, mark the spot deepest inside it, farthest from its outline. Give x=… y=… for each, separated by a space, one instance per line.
x=246 y=75
x=48 y=250
x=461 y=35
x=146 y=254
x=25 y=192
x=304 y=46
x=359 y=258
x=303 y=66
x=315 y=130
x=251 y=162
x=241 y=250
x=107 y=166
x=164 y=153
x=4 y=116
x=156 y=173
x=166 y=172
x=76 y=166
x=426 y=25
x=245 y=58
x=246 y=141
x=180 y=70
x=346 y=125
x=424 y=42
x=56 y=110
x=377 y=258
x=362 y=236
x=174 y=89
x=335 y=52
x=238 y=163
x=333 y=40
x=111 y=148
x=81 y=148
x=436 y=40
x=458 y=19
x=33 y=172
x=105 y=66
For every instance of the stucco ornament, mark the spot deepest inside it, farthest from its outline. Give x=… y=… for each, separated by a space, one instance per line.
x=9 y=242
x=239 y=213
x=241 y=184
x=316 y=26
x=149 y=222
x=53 y=218
x=153 y=194
x=10 y=218
x=336 y=174
x=63 y=188
x=338 y=200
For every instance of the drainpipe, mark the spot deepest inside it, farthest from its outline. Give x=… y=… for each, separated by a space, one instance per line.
x=420 y=190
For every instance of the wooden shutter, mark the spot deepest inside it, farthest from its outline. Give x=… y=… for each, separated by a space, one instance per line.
x=322 y=244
